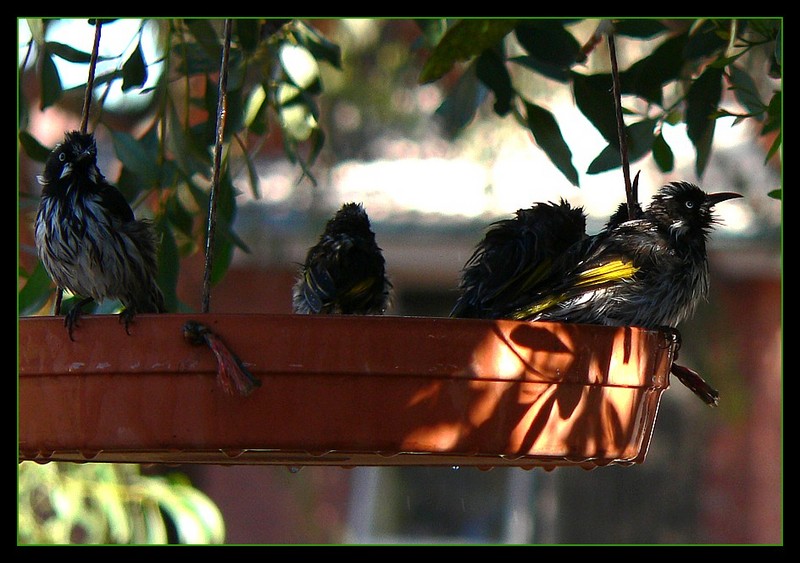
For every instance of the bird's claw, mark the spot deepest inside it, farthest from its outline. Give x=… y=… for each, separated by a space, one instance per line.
x=126 y=316
x=71 y=320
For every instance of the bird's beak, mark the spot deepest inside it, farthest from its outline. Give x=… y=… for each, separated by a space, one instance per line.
x=719 y=197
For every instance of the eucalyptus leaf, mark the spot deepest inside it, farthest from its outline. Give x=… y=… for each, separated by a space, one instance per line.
x=745 y=90
x=32 y=147
x=35 y=293
x=168 y=265
x=702 y=100
x=491 y=70
x=460 y=104
x=464 y=40
x=662 y=154
x=639 y=139
x=594 y=97
x=647 y=76
x=206 y=37
x=133 y=155
x=70 y=53
x=548 y=136
x=50 y=83
x=547 y=41
x=247 y=30
x=319 y=46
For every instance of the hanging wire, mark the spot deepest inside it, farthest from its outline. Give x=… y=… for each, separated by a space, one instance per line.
x=87 y=103
x=630 y=191
x=212 y=205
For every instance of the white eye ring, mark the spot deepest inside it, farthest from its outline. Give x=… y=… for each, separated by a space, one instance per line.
x=62 y=157
x=689 y=204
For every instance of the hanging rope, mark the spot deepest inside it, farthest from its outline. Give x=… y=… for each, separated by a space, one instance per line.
x=87 y=103
x=232 y=374
x=212 y=205
x=630 y=190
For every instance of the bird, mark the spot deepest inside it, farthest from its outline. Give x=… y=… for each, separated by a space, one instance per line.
x=650 y=271
x=516 y=255
x=344 y=273
x=88 y=238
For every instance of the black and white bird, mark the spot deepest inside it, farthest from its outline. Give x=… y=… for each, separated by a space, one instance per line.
x=650 y=271
x=87 y=237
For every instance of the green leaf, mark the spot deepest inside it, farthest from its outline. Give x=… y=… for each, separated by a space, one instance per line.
x=36 y=291
x=69 y=53
x=548 y=136
x=646 y=77
x=773 y=149
x=491 y=71
x=773 y=122
x=168 y=263
x=594 y=97
x=207 y=38
x=745 y=90
x=134 y=156
x=33 y=148
x=298 y=119
x=639 y=138
x=464 y=40
x=702 y=100
x=187 y=157
x=549 y=70
x=300 y=66
x=320 y=47
x=708 y=40
x=460 y=104
x=252 y=174
x=662 y=154
x=254 y=111
x=134 y=71
x=50 y=82
x=193 y=59
x=432 y=30
x=247 y=30
x=547 y=41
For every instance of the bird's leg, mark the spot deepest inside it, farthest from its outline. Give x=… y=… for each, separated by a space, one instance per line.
x=674 y=335
x=126 y=316
x=71 y=318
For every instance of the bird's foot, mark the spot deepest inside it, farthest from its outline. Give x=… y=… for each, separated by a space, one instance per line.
x=71 y=318
x=126 y=316
x=674 y=336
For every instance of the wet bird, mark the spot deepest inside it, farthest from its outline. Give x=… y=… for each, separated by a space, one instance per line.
x=650 y=271
x=516 y=256
x=87 y=237
x=344 y=272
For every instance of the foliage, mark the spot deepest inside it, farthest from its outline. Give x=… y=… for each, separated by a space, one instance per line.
x=95 y=503
x=275 y=85
x=682 y=80
x=273 y=77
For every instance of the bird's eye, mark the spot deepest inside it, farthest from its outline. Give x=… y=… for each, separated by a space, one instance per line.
x=62 y=157
x=689 y=204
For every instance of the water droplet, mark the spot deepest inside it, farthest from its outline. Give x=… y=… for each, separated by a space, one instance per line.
x=89 y=454
x=232 y=453
x=295 y=468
